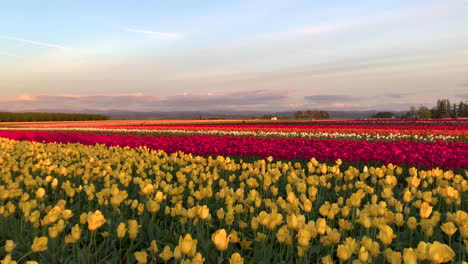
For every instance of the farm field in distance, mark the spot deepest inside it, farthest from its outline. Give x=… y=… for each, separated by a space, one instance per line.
x=234 y=191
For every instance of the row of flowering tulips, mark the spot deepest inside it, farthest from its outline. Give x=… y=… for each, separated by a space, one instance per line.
x=447 y=155
x=458 y=129
x=260 y=134
x=71 y=203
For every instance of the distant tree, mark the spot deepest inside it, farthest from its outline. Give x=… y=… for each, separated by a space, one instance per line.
x=424 y=113
x=442 y=109
x=462 y=109
x=322 y=115
x=298 y=114
x=312 y=114
x=195 y=117
x=411 y=114
x=384 y=115
x=22 y=117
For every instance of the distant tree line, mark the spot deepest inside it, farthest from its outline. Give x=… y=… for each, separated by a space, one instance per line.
x=384 y=115
x=443 y=109
x=29 y=117
x=315 y=114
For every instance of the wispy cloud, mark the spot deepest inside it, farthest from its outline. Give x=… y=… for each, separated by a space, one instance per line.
x=362 y=22
x=398 y=95
x=330 y=98
x=154 y=33
x=34 y=42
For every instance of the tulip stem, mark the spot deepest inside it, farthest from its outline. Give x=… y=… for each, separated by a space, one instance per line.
x=27 y=254
x=220 y=258
x=411 y=239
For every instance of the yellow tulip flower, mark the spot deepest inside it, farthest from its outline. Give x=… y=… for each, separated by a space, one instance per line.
x=95 y=220
x=236 y=258
x=141 y=257
x=220 y=239
x=9 y=246
x=425 y=210
x=166 y=254
x=440 y=253
x=449 y=228
x=39 y=244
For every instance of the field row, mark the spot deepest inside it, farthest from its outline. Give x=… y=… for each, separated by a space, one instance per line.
x=446 y=155
x=258 y=134
x=459 y=129
x=86 y=204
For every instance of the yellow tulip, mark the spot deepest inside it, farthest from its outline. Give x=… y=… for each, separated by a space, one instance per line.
x=198 y=259
x=141 y=257
x=121 y=230
x=343 y=252
x=440 y=253
x=177 y=253
x=409 y=256
x=159 y=197
x=399 y=219
x=464 y=231
x=236 y=258
x=422 y=250
x=283 y=235
x=412 y=223
x=204 y=212
x=9 y=246
x=8 y=260
x=220 y=239
x=303 y=237
x=76 y=232
x=152 y=206
x=321 y=226
x=95 y=220
x=292 y=221
x=83 y=218
x=133 y=228
x=166 y=254
x=449 y=228
x=53 y=232
x=40 y=193
x=392 y=257
x=154 y=247
x=327 y=260
x=39 y=244
x=425 y=210
x=363 y=255
x=306 y=206
x=386 y=234
x=188 y=246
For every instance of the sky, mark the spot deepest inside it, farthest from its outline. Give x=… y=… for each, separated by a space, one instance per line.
x=267 y=55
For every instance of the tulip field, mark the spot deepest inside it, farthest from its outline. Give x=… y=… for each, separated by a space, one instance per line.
x=345 y=191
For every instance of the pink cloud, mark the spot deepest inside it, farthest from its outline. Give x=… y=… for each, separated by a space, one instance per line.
x=143 y=102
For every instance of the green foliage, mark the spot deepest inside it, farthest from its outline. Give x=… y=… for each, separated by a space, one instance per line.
x=384 y=115
x=424 y=113
x=443 y=109
x=316 y=114
x=30 y=117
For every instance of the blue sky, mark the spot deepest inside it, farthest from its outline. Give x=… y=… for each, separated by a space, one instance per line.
x=239 y=55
